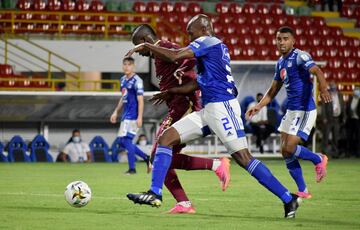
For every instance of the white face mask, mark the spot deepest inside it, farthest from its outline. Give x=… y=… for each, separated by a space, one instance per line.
x=357 y=93
x=142 y=142
x=76 y=139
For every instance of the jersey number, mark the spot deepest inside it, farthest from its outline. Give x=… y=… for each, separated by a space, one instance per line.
x=226 y=123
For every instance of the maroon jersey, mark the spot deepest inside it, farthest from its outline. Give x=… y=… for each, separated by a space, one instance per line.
x=179 y=104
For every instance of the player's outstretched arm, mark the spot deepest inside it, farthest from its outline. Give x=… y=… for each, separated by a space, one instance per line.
x=139 y=120
x=166 y=95
x=268 y=97
x=323 y=86
x=170 y=55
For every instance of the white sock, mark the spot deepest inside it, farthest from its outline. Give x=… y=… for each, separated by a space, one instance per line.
x=216 y=164
x=186 y=204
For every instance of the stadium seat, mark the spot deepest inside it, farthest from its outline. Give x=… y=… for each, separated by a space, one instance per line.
x=116 y=148
x=99 y=150
x=166 y=7
x=17 y=150
x=194 y=8
x=39 y=150
x=235 y=9
x=341 y=41
x=180 y=7
x=221 y=8
x=262 y=9
x=139 y=7
x=276 y=9
x=3 y=158
x=249 y=8
x=152 y=8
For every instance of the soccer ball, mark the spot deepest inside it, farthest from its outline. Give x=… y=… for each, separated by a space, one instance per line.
x=78 y=194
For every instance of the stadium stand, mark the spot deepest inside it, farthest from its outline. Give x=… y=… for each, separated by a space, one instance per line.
x=17 y=150
x=39 y=150
x=99 y=150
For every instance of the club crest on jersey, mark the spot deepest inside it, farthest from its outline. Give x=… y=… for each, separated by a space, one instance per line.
x=289 y=64
x=283 y=73
x=124 y=92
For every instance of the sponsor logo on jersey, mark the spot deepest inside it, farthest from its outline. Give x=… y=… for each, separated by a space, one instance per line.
x=283 y=73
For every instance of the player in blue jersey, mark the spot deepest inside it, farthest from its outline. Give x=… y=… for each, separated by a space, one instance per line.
x=132 y=103
x=293 y=70
x=220 y=114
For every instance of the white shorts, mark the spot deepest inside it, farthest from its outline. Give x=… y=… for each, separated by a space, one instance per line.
x=298 y=123
x=221 y=118
x=128 y=128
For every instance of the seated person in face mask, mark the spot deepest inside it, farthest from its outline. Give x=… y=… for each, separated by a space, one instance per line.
x=142 y=140
x=76 y=150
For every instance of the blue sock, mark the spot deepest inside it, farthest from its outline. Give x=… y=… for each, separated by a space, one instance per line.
x=296 y=173
x=140 y=153
x=162 y=161
x=129 y=146
x=305 y=154
x=265 y=177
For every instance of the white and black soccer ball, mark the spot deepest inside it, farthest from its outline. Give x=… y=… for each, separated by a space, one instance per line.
x=78 y=194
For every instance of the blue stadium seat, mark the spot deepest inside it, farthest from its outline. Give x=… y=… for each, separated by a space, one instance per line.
x=116 y=147
x=99 y=150
x=39 y=150
x=3 y=158
x=17 y=150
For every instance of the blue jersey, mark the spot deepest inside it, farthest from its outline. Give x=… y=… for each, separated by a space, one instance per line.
x=293 y=72
x=214 y=72
x=130 y=89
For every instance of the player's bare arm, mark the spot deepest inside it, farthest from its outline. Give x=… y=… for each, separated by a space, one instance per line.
x=118 y=108
x=166 y=95
x=323 y=86
x=268 y=97
x=187 y=65
x=139 y=120
x=170 y=55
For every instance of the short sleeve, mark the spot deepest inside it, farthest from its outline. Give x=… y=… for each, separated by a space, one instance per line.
x=199 y=46
x=86 y=147
x=67 y=148
x=139 y=86
x=277 y=73
x=304 y=60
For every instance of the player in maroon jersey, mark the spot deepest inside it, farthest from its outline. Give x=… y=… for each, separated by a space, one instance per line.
x=172 y=75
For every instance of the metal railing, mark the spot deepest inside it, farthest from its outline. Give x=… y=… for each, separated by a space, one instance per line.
x=30 y=84
x=57 y=21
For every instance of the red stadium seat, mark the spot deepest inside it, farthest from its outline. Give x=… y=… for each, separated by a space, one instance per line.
x=315 y=41
x=218 y=28
x=243 y=30
x=333 y=63
x=331 y=52
x=347 y=11
x=180 y=7
x=271 y=30
x=221 y=8
x=152 y=8
x=353 y=42
x=266 y=19
x=246 y=39
x=324 y=31
x=262 y=9
x=194 y=8
x=345 y=52
x=293 y=21
x=253 y=19
x=139 y=7
x=228 y=28
x=335 y=31
x=276 y=9
x=259 y=40
x=302 y=40
x=225 y=19
x=318 y=22
x=166 y=7
x=299 y=31
x=257 y=30
x=233 y=39
x=329 y=41
x=341 y=41
x=249 y=52
x=240 y=19
x=249 y=8
x=349 y=63
x=311 y=31
x=318 y=54
x=305 y=21
x=264 y=53
x=235 y=8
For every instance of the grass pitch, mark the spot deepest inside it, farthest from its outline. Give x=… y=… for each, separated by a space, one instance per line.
x=31 y=197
